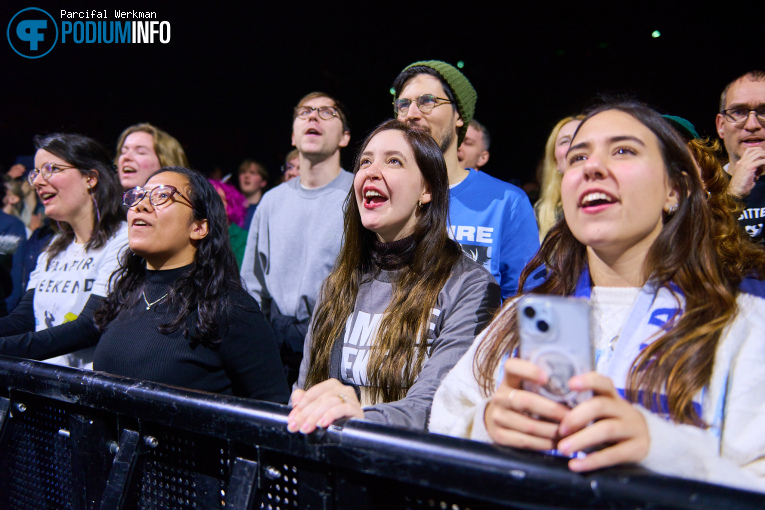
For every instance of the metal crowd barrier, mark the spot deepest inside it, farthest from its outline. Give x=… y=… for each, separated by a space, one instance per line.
x=85 y=440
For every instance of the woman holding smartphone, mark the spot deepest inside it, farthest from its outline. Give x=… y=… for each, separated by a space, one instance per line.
x=678 y=347
x=402 y=303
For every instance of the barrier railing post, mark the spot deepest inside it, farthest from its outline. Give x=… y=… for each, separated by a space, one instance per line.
x=88 y=436
x=5 y=408
x=121 y=474
x=243 y=484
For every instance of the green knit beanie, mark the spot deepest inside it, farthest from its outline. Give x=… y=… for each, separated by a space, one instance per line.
x=464 y=93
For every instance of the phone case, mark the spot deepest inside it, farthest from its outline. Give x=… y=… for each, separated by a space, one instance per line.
x=555 y=335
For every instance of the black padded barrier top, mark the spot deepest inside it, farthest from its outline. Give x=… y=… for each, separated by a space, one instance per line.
x=86 y=440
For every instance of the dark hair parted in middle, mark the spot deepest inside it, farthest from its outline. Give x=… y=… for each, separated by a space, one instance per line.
x=396 y=358
x=204 y=294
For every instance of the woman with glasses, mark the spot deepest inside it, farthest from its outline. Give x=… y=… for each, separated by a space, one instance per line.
x=78 y=186
x=402 y=303
x=677 y=344
x=177 y=313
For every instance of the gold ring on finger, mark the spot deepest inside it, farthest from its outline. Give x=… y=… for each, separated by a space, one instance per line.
x=342 y=397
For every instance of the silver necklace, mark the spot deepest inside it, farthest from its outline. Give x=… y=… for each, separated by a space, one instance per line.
x=149 y=305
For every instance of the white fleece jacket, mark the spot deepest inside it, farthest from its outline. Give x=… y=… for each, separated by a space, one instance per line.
x=731 y=452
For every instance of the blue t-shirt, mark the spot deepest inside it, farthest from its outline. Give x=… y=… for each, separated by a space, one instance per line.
x=494 y=223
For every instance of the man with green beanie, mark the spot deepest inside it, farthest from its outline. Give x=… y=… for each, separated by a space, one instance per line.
x=492 y=220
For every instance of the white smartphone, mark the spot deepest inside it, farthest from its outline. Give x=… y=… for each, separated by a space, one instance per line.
x=555 y=335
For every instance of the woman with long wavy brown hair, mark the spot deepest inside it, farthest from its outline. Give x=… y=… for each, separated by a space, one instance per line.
x=402 y=303
x=678 y=347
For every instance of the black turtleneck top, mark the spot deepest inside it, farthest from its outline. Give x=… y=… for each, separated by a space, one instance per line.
x=394 y=255
x=245 y=363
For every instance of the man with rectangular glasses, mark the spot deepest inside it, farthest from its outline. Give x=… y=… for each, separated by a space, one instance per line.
x=492 y=220
x=296 y=232
x=741 y=126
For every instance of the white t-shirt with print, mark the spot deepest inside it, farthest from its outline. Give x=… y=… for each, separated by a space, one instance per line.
x=63 y=287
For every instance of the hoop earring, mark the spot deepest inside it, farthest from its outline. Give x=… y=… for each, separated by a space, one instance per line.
x=419 y=204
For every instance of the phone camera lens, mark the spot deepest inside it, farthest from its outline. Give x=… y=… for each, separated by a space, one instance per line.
x=529 y=312
x=542 y=326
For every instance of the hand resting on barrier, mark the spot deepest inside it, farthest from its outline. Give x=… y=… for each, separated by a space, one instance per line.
x=321 y=405
x=523 y=419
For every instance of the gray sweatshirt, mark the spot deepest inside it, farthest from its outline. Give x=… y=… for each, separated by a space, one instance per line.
x=294 y=238
x=464 y=307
